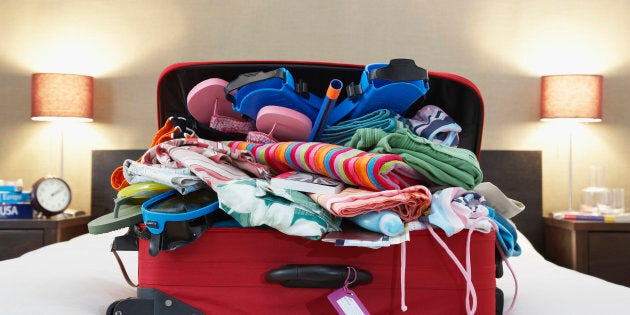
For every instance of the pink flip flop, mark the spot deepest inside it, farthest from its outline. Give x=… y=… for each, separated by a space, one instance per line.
x=207 y=98
x=283 y=124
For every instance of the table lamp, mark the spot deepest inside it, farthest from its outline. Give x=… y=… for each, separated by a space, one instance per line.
x=571 y=97
x=62 y=97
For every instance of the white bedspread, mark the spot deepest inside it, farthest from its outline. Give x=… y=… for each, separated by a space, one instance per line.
x=82 y=277
x=546 y=288
x=79 y=276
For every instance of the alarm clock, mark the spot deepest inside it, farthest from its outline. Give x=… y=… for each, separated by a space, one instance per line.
x=50 y=196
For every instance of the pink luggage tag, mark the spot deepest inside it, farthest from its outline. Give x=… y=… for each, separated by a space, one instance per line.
x=345 y=301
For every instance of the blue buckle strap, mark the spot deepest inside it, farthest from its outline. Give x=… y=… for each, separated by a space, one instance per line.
x=252 y=91
x=395 y=86
x=155 y=218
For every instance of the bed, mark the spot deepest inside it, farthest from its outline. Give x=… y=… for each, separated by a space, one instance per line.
x=81 y=276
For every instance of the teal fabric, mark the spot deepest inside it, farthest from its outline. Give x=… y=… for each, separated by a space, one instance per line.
x=252 y=202
x=343 y=131
x=441 y=164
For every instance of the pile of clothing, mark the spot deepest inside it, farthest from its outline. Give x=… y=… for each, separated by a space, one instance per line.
x=408 y=169
x=413 y=169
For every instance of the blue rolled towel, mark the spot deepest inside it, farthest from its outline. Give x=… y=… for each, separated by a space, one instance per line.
x=384 y=119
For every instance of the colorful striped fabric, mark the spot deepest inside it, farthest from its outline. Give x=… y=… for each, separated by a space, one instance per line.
x=373 y=171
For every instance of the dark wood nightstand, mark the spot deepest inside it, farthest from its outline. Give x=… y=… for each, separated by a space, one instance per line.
x=596 y=248
x=18 y=236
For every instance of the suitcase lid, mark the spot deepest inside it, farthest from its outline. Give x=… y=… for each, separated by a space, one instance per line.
x=454 y=94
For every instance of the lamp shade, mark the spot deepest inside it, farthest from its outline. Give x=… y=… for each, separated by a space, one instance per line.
x=572 y=97
x=57 y=96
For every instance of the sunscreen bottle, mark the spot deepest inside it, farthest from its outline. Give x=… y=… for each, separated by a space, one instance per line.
x=385 y=222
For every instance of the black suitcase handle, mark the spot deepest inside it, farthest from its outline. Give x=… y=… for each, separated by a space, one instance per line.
x=317 y=276
x=251 y=77
x=399 y=70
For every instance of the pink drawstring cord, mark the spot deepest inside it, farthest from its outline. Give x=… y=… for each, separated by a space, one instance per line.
x=467 y=273
x=403 y=268
x=471 y=294
x=470 y=288
x=507 y=263
x=347 y=283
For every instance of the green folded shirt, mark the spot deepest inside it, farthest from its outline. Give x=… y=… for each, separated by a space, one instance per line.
x=441 y=164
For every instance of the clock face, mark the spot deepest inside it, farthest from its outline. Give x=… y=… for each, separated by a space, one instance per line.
x=51 y=194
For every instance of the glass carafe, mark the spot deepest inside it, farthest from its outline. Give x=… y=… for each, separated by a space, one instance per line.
x=596 y=198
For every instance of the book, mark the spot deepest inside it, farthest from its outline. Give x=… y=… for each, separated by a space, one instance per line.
x=11 y=186
x=307 y=182
x=579 y=216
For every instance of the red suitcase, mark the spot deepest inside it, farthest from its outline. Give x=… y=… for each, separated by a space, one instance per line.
x=225 y=270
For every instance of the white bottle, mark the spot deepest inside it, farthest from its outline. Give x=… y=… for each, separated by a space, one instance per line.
x=385 y=222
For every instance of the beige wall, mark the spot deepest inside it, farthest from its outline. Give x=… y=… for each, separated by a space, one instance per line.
x=502 y=46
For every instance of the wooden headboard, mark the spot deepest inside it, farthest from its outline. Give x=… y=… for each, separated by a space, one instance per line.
x=104 y=162
x=517 y=173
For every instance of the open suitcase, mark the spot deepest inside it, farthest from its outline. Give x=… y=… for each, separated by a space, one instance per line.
x=226 y=270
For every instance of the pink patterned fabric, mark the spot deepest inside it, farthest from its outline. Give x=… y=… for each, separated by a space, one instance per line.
x=211 y=161
x=259 y=137
x=410 y=203
x=231 y=125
